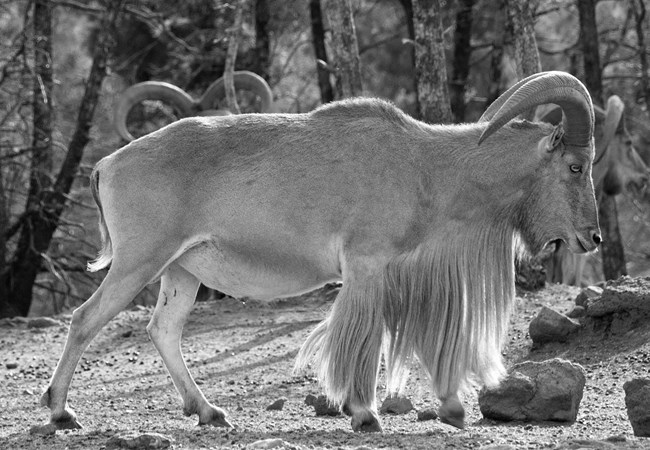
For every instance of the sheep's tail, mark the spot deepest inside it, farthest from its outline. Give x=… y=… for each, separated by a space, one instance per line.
x=106 y=253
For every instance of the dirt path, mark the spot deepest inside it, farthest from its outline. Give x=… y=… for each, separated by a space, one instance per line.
x=242 y=357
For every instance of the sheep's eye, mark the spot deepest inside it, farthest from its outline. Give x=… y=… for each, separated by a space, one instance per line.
x=575 y=168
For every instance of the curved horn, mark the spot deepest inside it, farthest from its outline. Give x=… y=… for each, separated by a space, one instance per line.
x=498 y=103
x=554 y=116
x=243 y=80
x=150 y=90
x=613 y=115
x=560 y=88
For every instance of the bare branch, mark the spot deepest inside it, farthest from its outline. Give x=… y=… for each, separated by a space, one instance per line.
x=639 y=18
x=80 y=6
x=233 y=43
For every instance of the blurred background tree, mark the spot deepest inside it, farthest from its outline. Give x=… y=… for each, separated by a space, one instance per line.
x=57 y=93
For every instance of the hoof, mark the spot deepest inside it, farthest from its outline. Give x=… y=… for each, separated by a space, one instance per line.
x=453 y=416
x=458 y=422
x=216 y=417
x=67 y=420
x=366 y=424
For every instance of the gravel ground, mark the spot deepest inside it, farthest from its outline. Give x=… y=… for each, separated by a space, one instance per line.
x=242 y=355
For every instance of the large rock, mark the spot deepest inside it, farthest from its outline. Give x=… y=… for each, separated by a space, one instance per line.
x=536 y=391
x=623 y=305
x=624 y=294
x=637 y=401
x=551 y=326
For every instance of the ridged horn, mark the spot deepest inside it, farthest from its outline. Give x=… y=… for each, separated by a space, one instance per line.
x=244 y=80
x=560 y=88
x=498 y=103
x=150 y=90
x=553 y=116
x=613 y=115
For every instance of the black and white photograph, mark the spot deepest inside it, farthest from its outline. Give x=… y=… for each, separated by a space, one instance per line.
x=325 y=224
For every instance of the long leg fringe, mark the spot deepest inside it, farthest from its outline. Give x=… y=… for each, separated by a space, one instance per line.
x=347 y=346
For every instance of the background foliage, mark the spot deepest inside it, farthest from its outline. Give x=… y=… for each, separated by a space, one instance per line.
x=185 y=43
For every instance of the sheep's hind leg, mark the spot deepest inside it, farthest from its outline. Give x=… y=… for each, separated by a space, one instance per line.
x=120 y=286
x=178 y=290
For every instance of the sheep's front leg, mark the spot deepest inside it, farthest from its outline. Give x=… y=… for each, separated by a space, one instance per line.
x=351 y=340
x=178 y=290
x=451 y=410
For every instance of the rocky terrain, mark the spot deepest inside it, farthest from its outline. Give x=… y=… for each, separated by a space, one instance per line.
x=242 y=356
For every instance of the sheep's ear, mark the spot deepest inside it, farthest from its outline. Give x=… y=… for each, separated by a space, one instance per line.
x=555 y=138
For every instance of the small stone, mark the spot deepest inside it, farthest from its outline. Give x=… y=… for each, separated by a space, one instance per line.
x=427 y=414
x=637 y=402
x=11 y=365
x=587 y=293
x=617 y=438
x=498 y=447
x=141 y=441
x=576 y=312
x=277 y=405
x=396 y=405
x=551 y=326
x=43 y=430
x=268 y=443
x=322 y=406
x=43 y=322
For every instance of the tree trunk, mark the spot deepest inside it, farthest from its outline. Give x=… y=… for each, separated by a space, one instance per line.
x=430 y=63
x=20 y=276
x=494 y=89
x=462 y=54
x=4 y=225
x=590 y=52
x=521 y=30
x=40 y=222
x=262 y=41
x=345 y=48
x=612 y=246
x=410 y=26
x=234 y=34
x=613 y=255
x=639 y=18
x=318 y=40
